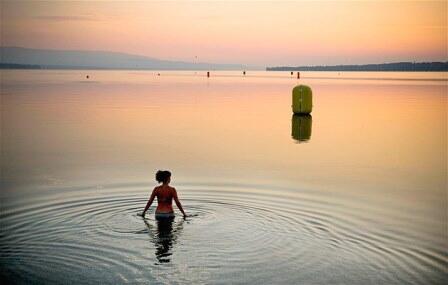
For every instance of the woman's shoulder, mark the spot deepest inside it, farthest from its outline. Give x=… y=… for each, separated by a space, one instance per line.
x=157 y=188
x=171 y=189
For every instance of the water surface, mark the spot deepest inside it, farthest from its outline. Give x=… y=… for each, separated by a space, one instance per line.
x=353 y=194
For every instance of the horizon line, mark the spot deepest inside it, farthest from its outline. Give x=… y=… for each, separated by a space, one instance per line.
x=217 y=63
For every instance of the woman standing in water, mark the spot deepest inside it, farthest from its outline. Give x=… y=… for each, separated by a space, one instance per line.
x=165 y=195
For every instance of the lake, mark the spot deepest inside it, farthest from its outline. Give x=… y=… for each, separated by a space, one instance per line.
x=356 y=193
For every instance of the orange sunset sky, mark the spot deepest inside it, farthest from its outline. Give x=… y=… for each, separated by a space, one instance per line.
x=246 y=32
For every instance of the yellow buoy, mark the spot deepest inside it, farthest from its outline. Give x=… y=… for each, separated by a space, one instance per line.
x=302 y=99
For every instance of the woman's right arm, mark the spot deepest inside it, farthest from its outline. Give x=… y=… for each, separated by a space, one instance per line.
x=178 y=204
x=151 y=199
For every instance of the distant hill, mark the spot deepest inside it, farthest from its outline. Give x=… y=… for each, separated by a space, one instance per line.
x=396 y=66
x=18 y=66
x=18 y=57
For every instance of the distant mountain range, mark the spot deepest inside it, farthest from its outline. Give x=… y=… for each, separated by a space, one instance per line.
x=27 y=58
x=18 y=57
x=396 y=66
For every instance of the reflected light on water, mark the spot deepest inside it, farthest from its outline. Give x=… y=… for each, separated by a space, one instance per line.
x=368 y=188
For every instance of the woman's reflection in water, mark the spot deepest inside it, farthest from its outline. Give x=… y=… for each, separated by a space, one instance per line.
x=164 y=236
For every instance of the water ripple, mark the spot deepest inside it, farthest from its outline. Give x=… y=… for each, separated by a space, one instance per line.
x=252 y=233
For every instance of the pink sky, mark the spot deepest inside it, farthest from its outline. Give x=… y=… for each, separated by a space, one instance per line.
x=247 y=32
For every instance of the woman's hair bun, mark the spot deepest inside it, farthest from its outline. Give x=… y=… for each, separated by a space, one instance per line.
x=162 y=176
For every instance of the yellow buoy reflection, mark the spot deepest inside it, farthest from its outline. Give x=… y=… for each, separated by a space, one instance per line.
x=301 y=127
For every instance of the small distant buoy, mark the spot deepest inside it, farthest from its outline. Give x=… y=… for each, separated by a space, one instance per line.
x=298 y=75
x=87 y=77
x=302 y=99
x=244 y=72
x=208 y=73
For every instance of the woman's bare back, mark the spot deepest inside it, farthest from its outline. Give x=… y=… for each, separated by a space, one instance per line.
x=165 y=195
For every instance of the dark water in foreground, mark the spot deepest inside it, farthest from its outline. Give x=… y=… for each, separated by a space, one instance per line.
x=354 y=194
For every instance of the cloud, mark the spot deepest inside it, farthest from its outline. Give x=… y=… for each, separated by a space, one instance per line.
x=65 y=18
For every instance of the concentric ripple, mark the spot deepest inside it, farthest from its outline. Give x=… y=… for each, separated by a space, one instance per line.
x=235 y=233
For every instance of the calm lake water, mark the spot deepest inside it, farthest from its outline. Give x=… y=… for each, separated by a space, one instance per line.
x=356 y=193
